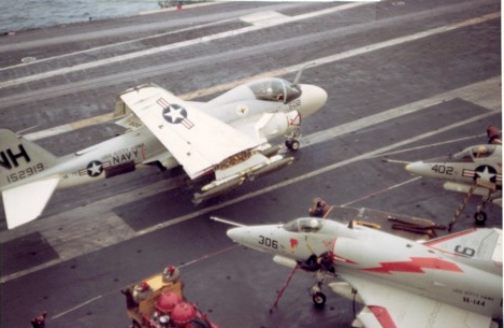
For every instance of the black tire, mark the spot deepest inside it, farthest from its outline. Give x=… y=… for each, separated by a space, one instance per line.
x=292 y=144
x=295 y=145
x=319 y=299
x=480 y=217
x=310 y=264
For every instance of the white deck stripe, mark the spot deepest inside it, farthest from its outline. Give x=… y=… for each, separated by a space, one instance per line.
x=381 y=191
x=492 y=84
x=177 y=45
x=110 y=45
x=489 y=87
x=436 y=144
x=285 y=183
x=294 y=68
x=77 y=307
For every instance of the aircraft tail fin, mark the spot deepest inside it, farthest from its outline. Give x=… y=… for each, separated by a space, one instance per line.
x=21 y=158
x=480 y=247
x=24 y=203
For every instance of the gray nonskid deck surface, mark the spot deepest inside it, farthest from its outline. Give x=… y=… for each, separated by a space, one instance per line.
x=384 y=97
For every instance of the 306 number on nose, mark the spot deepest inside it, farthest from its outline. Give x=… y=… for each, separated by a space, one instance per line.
x=268 y=242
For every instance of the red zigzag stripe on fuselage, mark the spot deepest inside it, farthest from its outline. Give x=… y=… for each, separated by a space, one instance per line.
x=415 y=265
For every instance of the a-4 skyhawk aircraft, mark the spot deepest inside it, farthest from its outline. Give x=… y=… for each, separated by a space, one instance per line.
x=222 y=142
x=476 y=170
x=452 y=281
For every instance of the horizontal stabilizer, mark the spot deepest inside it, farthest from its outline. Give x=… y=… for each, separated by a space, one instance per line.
x=24 y=203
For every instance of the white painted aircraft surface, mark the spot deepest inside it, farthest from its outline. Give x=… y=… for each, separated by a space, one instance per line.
x=222 y=142
x=476 y=170
x=452 y=281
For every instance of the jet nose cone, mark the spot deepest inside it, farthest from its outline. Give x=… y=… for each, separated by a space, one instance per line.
x=416 y=167
x=314 y=98
x=237 y=234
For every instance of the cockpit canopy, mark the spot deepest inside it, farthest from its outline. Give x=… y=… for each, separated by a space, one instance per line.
x=278 y=90
x=303 y=225
x=471 y=153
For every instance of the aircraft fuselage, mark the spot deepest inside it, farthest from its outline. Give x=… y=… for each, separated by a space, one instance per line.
x=385 y=259
x=468 y=168
x=139 y=147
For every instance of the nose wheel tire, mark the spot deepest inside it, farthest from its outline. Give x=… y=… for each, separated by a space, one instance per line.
x=480 y=217
x=292 y=144
x=319 y=299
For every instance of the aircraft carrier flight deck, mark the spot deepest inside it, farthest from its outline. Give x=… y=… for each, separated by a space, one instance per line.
x=406 y=80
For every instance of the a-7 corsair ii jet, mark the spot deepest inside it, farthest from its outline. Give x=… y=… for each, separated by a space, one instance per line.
x=452 y=281
x=222 y=142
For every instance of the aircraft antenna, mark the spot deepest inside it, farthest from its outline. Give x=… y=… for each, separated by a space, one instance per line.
x=228 y=222
x=23 y=131
x=298 y=75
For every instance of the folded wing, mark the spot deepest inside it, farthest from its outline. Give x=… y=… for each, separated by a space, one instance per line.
x=197 y=140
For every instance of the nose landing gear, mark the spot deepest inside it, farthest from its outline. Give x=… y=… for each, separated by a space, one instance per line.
x=292 y=141
x=319 y=299
x=292 y=144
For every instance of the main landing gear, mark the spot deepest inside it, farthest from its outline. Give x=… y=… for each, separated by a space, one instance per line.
x=480 y=216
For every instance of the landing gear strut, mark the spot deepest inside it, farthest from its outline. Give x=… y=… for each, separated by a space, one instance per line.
x=292 y=142
x=318 y=298
x=480 y=216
